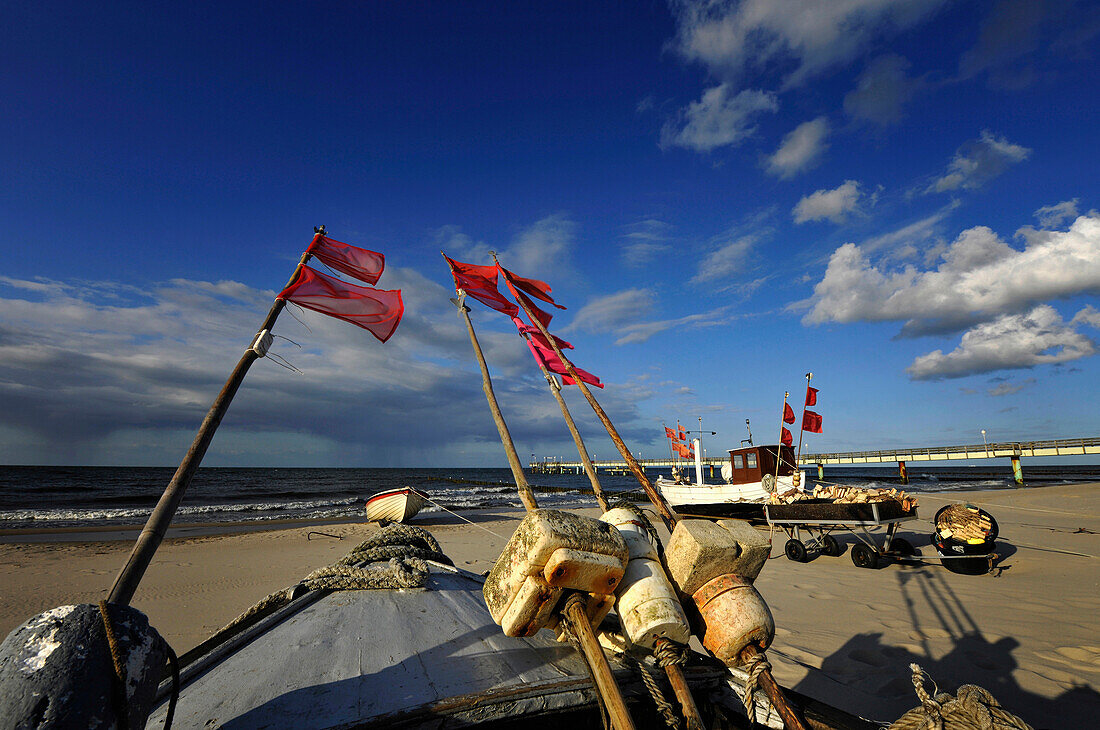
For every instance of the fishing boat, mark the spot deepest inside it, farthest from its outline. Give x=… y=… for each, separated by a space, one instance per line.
x=395 y=505
x=752 y=474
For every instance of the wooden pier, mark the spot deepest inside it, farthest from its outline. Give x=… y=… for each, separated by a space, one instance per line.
x=1012 y=450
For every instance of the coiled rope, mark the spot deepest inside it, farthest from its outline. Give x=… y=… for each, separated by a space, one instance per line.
x=973 y=708
x=405 y=547
x=756 y=665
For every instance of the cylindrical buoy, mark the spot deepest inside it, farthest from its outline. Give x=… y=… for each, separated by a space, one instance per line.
x=735 y=616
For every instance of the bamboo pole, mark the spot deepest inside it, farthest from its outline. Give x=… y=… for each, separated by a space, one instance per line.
x=590 y=470
x=525 y=494
x=157 y=525
x=667 y=515
x=601 y=670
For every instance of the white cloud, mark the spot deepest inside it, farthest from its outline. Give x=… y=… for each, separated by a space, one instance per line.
x=980 y=277
x=1008 y=33
x=1052 y=216
x=726 y=260
x=1011 y=341
x=730 y=38
x=912 y=234
x=1010 y=388
x=624 y=314
x=979 y=161
x=833 y=205
x=546 y=244
x=800 y=150
x=882 y=90
x=720 y=118
x=1089 y=315
x=646 y=240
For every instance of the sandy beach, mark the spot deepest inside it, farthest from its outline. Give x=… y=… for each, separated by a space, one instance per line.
x=1029 y=632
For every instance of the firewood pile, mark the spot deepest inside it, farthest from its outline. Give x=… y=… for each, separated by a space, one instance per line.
x=847 y=495
x=964 y=522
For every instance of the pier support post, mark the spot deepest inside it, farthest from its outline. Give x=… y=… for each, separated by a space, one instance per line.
x=903 y=473
x=820 y=472
x=1017 y=470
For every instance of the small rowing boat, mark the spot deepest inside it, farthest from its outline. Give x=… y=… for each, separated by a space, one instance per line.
x=395 y=505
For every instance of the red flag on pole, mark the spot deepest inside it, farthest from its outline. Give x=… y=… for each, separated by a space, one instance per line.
x=811 y=422
x=526 y=329
x=549 y=359
x=787 y=438
x=680 y=429
x=515 y=287
x=533 y=287
x=480 y=282
x=376 y=310
x=684 y=451
x=356 y=262
x=811 y=396
x=788 y=414
x=670 y=433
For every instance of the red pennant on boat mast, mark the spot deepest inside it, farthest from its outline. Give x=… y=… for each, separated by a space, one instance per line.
x=480 y=282
x=811 y=396
x=376 y=310
x=358 y=263
x=811 y=422
x=787 y=438
x=788 y=413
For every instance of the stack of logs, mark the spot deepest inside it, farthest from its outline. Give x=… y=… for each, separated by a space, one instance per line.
x=847 y=495
x=964 y=523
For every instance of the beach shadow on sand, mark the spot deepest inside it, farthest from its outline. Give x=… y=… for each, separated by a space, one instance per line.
x=876 y=675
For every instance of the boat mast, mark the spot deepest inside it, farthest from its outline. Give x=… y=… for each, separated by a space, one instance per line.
x=157 y=525
x=667 y=515
x=525 y=494
x=802 y=426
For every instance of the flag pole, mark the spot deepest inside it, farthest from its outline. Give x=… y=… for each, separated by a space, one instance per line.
x=802 y=426
x=667 y=515
x=779 y=448
x=525 y=494
x=589 y=469
x=155 y=528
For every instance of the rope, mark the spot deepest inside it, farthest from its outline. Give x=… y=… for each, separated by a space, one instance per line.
x=405 y=547
x=644 y=520
x=464 y=519
x=667 y=710
x=973 y=708
x=174 y=664
x=668 y=652
x=119 y=685
x=755 y=666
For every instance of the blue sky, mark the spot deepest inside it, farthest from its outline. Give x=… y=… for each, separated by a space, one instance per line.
x=898 y=195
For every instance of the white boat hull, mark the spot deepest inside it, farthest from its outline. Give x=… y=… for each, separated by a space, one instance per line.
x=688 y=495
x=395 y=505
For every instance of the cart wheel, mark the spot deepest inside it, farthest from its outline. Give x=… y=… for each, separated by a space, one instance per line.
x=864 y=557
x=795 y=550
x=902 y=547
x=829 y=546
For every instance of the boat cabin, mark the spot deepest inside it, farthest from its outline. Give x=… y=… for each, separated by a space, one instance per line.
x=750 y=464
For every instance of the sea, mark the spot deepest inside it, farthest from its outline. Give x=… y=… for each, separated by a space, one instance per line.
x=66 y=497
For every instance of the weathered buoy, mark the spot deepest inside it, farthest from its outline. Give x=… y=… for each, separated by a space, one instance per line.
x=57 y=671
x=550 y=552
x=715 y=565
x=645 y=600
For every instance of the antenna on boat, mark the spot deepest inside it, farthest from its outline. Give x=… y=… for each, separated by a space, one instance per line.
x=157 y=525
x=749 y=439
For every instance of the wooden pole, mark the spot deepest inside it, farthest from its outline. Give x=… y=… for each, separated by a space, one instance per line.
x=792 y=718
x=667 y=515
x=525 y=494
x=601 y=670
x=155 y=528
x=809 y=377
x=555 y=388
x=683 y=693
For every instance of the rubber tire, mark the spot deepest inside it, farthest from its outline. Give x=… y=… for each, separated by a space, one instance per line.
x=864 y=557
x=830 y=546
x=795 y=550
x=902 y=547
x=968 y=566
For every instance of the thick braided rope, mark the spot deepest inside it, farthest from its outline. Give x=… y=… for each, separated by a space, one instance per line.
x=668 y=652
x=668 y=712
x=405 y=547
x=755 y=666
x=973 y=708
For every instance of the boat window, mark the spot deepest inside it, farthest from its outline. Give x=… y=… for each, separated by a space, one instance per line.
x=737 y=464
x=750 y=460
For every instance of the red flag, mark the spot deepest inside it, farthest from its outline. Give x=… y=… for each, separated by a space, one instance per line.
x=355 y=262
x=480 y=282
x=526 y=329
x=786 y=438
x=375 y=310
x=670 y=433
x=540 y=315
x=811 y=396
x=788 y=414
x=811 y=422
x=549 y=359
x=685 y=451
x=683 y=436
x=533 y=287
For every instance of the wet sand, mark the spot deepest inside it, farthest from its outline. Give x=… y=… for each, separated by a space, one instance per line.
x=1029 y=632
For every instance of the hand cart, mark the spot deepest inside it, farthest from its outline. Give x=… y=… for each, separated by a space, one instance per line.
x=819 y=518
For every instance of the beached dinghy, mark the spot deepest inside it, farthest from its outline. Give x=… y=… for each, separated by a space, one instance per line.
x=395 y=505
